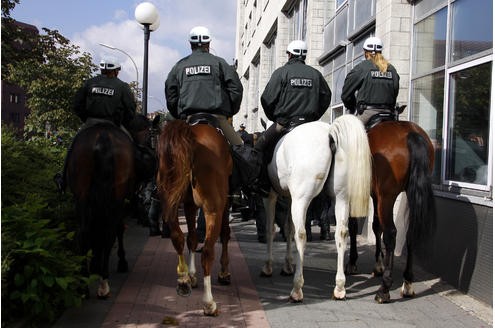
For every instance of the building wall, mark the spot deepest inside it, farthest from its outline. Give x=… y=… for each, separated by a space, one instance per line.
x=461 y=251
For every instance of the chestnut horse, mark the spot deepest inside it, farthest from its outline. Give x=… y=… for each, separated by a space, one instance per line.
x=194 y=168
x=101 y=172
x=402 y=161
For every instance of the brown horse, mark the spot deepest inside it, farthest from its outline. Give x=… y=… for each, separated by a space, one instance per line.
x=101 y=173
x=402 y=161
x=194 y=169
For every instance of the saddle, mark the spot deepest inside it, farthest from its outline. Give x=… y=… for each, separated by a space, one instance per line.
x=204 y=118
x=383 y=117
x=247 y=161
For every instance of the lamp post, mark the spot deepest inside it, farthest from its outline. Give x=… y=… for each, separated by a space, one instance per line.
x=125 y=53
x=147 y=15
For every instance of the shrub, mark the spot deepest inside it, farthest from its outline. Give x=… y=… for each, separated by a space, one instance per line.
x=41 y=275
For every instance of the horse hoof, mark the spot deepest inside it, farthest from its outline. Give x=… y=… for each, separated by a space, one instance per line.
x=382 y=298
x=183 y=289
x=294 y=300
x=224 y=279
x=210 y=310
x=339 y=295
x=194 y=281
x=103 y=291
x=103 y=297
x=123 y=266
x=266 y=272
x=350 y=269
x=286 y=273
x=407 y=290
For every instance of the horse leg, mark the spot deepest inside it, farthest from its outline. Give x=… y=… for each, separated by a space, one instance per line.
x=122 y=266
x=351 y=267
x=377 y=230
x=288 y=268
x=213 y=220
x=407 y=289
x=177 y=237
x=190 y=211
x=298 y=213
x=269 y=204
x=341 y=233
x=224 y=274
x=385 y=209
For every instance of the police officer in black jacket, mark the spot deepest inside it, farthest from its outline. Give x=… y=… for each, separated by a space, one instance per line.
x=204 y=83
x=102 y=98
x=376 y=82
x=106 y=97
x=296 y=94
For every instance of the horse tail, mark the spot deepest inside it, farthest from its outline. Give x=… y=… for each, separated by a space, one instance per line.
x=102 y=186
x=349 y=135
x=422 y=219
x=176 y=152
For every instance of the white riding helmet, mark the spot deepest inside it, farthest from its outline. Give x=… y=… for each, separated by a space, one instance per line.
x=373 y=44
x=297 y=48
x=109 y=63
x=199 y=35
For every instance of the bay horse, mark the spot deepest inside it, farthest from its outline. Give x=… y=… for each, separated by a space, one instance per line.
x=101 y=173
x=317 y=156
x=403 y=158
x=194 y=168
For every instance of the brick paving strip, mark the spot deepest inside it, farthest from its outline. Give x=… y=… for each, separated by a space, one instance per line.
x=148 y=297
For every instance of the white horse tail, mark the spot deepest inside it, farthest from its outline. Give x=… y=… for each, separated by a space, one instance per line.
x=350 y=136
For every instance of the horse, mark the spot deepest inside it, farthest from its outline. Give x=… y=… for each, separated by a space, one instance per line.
x=101 y=173
x=312 y=158
x=403 y=158
x=194 y=168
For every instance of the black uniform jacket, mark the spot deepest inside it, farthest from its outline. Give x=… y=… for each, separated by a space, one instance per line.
x=202 y=82
x=294 y=91
x=374 y=88
x=107 y=98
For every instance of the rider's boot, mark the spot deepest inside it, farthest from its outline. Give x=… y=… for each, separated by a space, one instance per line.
x=264 y=146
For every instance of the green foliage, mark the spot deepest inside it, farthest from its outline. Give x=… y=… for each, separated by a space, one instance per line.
x=41 y=275
x=50 y=77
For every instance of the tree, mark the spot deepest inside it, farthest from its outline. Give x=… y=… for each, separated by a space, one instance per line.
x=50 y=72
x=51 y=82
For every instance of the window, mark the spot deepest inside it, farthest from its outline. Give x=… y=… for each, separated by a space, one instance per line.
x=339 y=3
x=427 y=111
x=451 y=87
x=298 y=21
x=430 y=37
x=470 y=32
x=469 y=103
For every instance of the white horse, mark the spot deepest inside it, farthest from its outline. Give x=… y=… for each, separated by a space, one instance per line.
x=313 y=156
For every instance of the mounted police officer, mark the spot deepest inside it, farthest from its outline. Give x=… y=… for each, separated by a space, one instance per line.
x=204 y=83
x=295 y=94
x=376 y=82
x=103 y=98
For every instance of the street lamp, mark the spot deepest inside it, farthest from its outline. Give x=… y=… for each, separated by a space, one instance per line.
x=125 y=53
x=147 y=15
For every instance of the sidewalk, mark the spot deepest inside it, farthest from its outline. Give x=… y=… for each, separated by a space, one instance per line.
x=146 y=296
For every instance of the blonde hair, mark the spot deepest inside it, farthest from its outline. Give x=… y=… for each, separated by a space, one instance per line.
x=379 y=61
